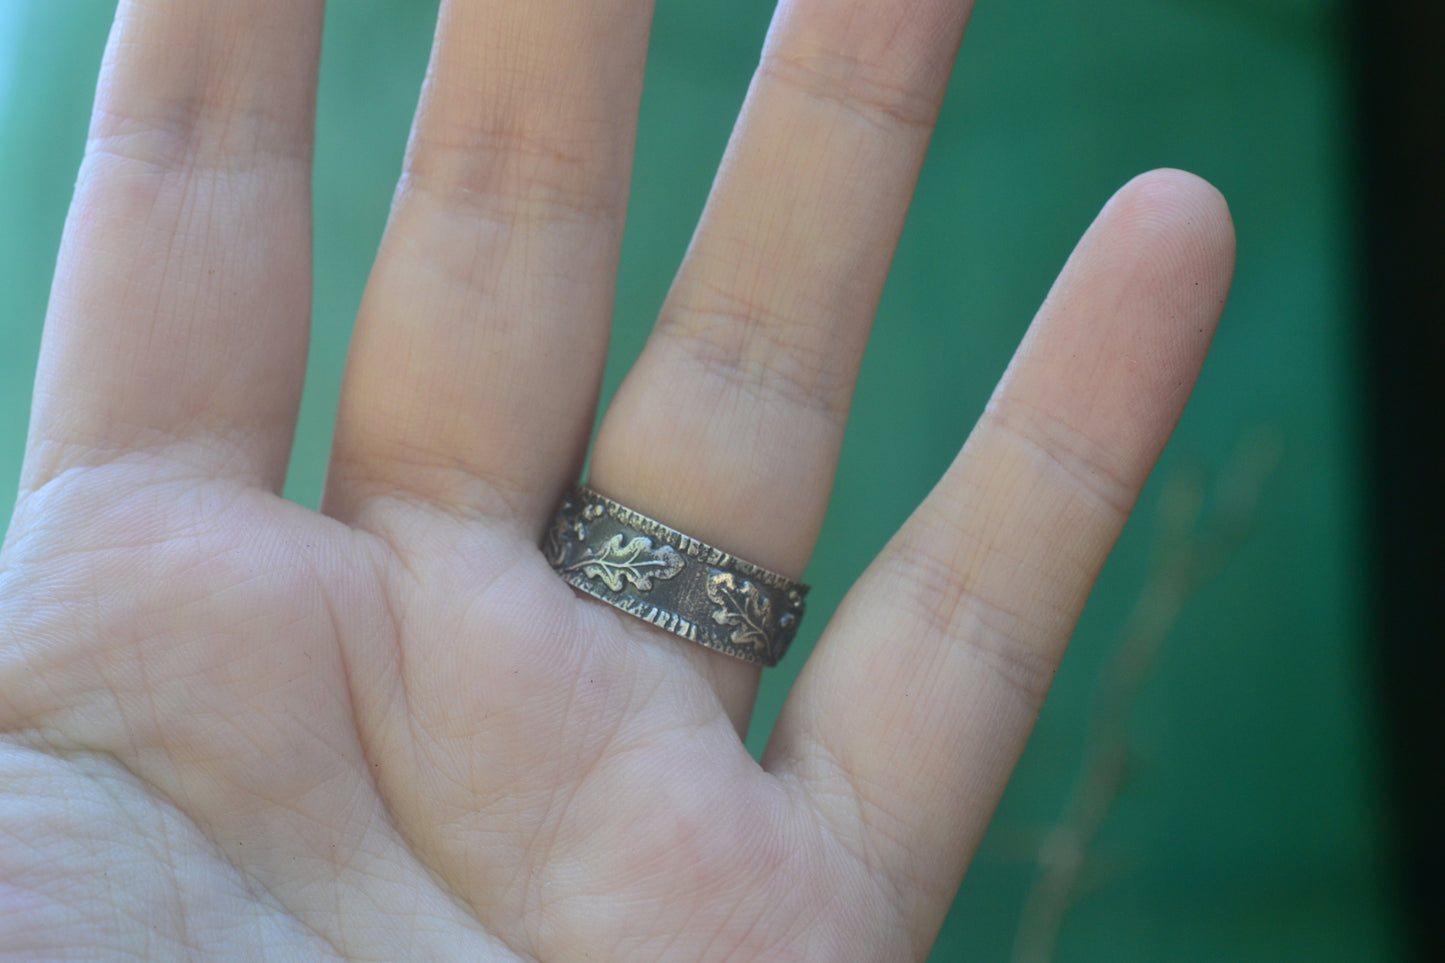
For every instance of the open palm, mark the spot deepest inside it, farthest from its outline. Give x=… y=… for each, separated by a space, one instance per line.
x=234 y=728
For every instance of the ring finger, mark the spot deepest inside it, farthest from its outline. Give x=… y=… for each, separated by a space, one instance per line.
x=479 y=347
x=729 y=425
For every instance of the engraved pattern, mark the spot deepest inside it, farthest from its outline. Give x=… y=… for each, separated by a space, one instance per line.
x=637 y=561
x=626 y=559
x=742 y=607
x=558 y=540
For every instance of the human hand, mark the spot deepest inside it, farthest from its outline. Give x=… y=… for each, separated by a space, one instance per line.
x=236 y=728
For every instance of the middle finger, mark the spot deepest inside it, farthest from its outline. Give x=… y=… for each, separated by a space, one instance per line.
x=728 y=427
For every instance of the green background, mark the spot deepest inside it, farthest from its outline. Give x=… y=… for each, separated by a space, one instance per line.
x=1249 y=825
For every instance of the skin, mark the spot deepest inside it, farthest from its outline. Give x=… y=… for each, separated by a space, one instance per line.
x=234 y=728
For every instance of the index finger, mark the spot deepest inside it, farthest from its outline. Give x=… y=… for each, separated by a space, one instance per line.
x=907 y=721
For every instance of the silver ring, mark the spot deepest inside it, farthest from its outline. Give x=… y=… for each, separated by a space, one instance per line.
x=674 y=581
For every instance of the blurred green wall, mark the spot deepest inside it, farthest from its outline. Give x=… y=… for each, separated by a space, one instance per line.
x=1247 y=823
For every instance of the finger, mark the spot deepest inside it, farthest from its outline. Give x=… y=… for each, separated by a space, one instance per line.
x=179 y=312
x=729 y=426
x=909 y=717
x=476 y=361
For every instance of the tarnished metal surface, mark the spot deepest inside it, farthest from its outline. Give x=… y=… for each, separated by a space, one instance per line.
x=672 y=580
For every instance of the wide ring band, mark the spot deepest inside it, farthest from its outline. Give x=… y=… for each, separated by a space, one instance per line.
x=672 y=580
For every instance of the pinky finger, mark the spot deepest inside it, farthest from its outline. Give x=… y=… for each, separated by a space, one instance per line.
x=907 y=721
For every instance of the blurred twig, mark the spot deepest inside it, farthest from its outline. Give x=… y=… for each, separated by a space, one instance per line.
x=1191 y=548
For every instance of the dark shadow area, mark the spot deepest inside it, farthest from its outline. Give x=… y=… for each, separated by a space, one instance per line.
x=1402 y=124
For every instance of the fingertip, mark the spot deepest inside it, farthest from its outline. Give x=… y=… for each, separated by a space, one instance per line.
x=1180 y=214
x=1170 y=189
x=1154 y=269
x=1119 y=342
